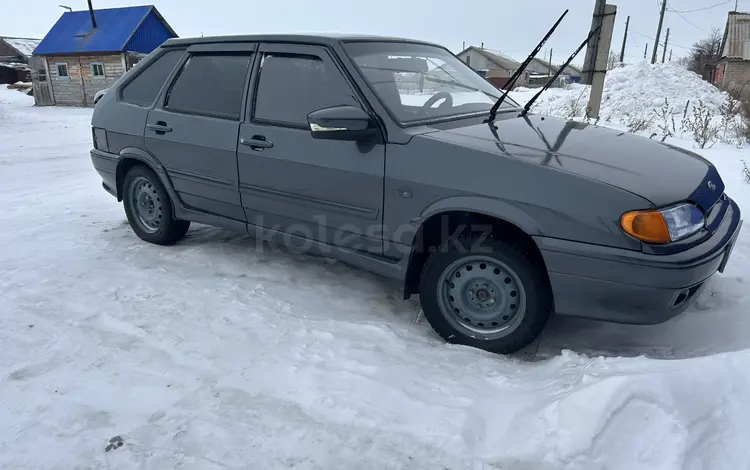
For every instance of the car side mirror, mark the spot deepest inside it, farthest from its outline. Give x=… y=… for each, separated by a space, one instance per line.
x=341 y=123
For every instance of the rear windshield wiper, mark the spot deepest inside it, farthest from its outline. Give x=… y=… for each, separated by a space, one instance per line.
x=530 y=103
x=513 y=78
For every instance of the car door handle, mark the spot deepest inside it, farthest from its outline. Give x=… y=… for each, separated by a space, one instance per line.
x=159 y=127
x=258 y=142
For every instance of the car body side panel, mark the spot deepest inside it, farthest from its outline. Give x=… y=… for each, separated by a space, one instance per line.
x=123 y=121
x=423 y=176
x=200 y=152
x=325 y=190
x=485 y=205
x=118 y=141
x=200 y=157
x=146 y=157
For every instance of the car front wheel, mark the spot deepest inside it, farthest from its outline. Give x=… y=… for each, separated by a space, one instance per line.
x=149 y=209
x=494 y=297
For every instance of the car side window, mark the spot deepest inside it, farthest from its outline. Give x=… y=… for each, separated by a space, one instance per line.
x=291 y=86
x=143 y=89
x=210 y=84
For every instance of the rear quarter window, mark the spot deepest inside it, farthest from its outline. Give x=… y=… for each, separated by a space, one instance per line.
x=144 y=88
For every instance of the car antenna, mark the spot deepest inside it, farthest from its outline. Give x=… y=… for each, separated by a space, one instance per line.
x=530 y=103
x=513 y=78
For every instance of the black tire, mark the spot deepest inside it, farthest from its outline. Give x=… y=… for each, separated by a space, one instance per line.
x=164 y=229
x=538 y=298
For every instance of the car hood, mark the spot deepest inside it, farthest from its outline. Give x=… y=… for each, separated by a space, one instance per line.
x=660 y=173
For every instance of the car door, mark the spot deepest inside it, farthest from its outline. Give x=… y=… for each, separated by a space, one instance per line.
x=326 y=190
x=193 y=129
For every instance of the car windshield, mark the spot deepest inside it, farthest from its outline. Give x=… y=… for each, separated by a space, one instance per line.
x=421 y=83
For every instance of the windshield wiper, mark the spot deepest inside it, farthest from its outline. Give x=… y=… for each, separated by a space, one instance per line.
x=530 y=103
x=513 y=78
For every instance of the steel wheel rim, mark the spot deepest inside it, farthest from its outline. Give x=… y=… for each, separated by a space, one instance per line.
x=482 y=295
x=146 y=203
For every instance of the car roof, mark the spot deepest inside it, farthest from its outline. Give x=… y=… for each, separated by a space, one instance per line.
x=312 y=38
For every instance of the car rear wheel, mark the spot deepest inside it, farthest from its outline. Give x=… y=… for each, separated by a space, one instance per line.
x=493 y=297
x=149 y=209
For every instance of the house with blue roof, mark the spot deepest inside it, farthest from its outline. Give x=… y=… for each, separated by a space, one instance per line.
x=87 y=51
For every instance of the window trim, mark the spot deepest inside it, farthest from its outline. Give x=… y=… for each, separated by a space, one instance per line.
x=67 y=71
x=173 y=80
x=319 y=51
x=92 y=67
x=138 y=72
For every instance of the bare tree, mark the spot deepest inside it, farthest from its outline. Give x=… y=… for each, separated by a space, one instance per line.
x=683 y=61
x=705 y=52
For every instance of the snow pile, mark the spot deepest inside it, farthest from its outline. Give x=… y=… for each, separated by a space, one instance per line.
x=221 y=352
x=632 y=90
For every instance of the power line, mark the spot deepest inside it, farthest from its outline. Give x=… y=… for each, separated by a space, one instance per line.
x=690 y=22
x=695 y=25
x=660 y=44
x=702 y=9
x=643 y=35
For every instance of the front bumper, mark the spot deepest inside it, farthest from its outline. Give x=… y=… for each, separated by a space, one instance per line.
x=625 y=286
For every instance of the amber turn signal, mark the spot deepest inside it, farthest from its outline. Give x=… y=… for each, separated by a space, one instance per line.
x=648 y=226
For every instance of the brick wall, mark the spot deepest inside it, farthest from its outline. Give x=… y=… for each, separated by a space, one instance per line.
x=736 y=71
x=81 y=86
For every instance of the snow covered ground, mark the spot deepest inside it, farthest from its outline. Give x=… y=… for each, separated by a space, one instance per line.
x=224 y=353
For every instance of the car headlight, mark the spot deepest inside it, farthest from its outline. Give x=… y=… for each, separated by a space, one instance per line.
x=665 y=225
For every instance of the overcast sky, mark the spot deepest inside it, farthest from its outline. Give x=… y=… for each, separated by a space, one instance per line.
x=508 y=25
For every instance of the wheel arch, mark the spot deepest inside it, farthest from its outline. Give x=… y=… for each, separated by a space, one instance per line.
x=131 y=156
x=507 y=222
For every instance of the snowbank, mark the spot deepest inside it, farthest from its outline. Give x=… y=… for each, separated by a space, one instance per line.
x=632 y=90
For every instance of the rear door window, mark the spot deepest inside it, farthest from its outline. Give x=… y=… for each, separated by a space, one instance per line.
x=291 y=86
x=210 y=85
x=144 y=88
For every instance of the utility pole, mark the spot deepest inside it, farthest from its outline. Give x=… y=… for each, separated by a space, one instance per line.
x=670 y=55
x=599 y=68
x=645 y=51
x=624 y=41
x=658 y=30
x=664 y=52
x=549 y=67
x=592 y=48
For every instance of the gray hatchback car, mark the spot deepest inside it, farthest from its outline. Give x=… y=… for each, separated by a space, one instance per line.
x=379 y=152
